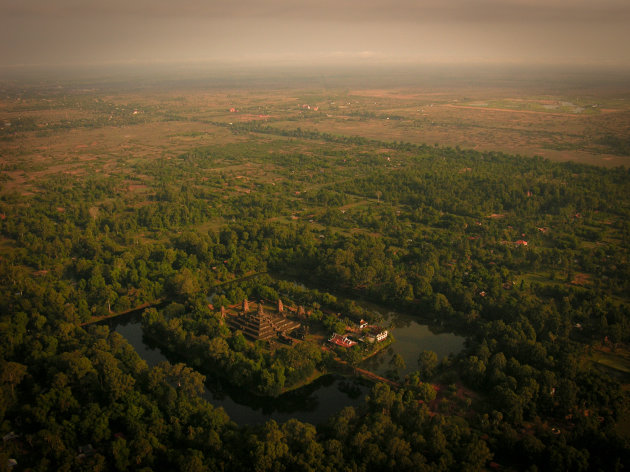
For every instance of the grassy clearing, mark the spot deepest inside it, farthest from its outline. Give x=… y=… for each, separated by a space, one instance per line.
x=536 y=278
x=619 y=360
x=103 y=133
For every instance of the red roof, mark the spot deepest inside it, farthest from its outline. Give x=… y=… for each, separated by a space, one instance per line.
x=343 y=341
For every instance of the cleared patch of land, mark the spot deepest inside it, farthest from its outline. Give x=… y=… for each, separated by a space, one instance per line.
x=92 y=131
x=617 y=360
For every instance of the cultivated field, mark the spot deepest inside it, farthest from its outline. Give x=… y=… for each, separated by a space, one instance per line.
x=101 y=128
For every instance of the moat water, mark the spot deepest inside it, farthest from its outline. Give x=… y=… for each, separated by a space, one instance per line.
x=316 y=402
x=411 y=338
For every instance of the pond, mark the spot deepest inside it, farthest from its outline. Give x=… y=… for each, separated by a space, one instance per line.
x=316 y=402
x=412 y=338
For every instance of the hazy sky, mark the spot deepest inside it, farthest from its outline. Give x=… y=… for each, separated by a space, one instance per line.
x=97 y=31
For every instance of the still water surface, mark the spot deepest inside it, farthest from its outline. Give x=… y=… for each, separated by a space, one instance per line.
x=316 y=402
x=412 y=338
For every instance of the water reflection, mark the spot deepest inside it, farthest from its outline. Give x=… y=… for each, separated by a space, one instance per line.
x=314 y=403
x=412 y=338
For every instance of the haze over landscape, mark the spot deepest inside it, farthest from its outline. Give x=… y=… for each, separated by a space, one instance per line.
x=40 y=32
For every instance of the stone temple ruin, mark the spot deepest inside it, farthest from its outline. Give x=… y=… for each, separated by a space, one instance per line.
x=260 y=324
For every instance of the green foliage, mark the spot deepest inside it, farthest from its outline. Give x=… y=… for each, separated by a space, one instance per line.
x=416 y=233
x=427 y=363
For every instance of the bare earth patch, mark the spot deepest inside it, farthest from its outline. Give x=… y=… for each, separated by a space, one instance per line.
x=581 y=279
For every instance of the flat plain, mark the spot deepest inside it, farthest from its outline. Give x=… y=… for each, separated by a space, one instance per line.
x=90 y=129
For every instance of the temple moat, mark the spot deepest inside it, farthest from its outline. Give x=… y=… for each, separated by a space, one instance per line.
x=320 y=399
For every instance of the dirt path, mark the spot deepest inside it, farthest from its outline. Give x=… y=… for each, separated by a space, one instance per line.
x=373 y=376
x=239 y=279
x=365 y=373
x=126 y=312
x=509 y=110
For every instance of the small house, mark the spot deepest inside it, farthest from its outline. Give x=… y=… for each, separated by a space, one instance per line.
x=376 y=336
x=343 y=341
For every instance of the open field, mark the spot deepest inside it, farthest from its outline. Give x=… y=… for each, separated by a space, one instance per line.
x=618 y=360
x=99 y=129
x=453 y=118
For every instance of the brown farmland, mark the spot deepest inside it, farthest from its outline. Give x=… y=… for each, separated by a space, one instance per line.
x=83 y=131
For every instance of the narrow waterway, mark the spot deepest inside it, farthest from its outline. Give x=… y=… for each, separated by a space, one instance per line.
x=314 y=403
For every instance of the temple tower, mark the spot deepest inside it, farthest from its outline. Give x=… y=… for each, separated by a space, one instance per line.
x=258 y=324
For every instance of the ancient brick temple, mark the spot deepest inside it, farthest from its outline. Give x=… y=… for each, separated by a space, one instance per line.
x=260 y=324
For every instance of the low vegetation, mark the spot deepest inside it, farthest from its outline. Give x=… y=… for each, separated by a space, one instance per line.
x=527 y=257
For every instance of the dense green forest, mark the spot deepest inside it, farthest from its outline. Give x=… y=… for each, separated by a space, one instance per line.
x=526 y=257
